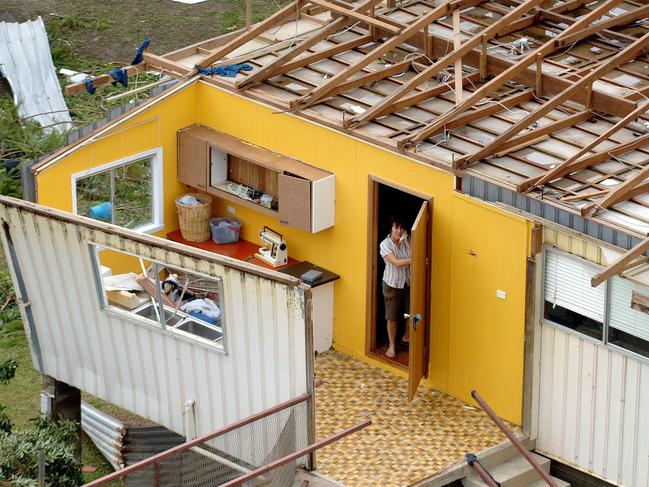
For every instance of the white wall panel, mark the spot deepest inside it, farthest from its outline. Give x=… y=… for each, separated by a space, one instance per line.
x=594 y=408
x=141 y=367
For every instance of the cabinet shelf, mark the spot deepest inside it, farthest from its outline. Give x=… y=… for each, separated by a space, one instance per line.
x=221 y=191
x=209 y=160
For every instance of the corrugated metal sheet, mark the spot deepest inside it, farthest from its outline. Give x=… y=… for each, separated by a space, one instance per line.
x=594 y=408
x=26 y=62
x=488 y=191
x=145 y=369
x=106 y=432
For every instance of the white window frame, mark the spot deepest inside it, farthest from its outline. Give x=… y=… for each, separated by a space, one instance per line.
x=606 y=323
x=102 y=296
x=157 y=186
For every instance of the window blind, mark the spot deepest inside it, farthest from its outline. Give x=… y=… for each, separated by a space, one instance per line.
x=567 y=284
x=622 y=316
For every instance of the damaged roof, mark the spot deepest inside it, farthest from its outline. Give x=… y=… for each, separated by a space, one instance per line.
x=544 y=97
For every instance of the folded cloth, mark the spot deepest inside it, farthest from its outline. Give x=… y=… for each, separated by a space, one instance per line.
x=204 y=306
x=189 y=200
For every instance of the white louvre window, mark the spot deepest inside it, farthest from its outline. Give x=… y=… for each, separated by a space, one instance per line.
x=570 y=300
x=628 y=318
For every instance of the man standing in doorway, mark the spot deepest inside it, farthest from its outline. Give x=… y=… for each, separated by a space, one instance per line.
x=396 y=253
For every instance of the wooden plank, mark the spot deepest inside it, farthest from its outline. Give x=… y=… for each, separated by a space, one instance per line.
x=618 y=194
x=548 y=48
x=162 y=64
x=290 y=9
x=323 y=90
x=102 y=80
x=272 y=68
x=310 y=59
x=387 y=104
x=372 y=77
x=621 y=57
x=620 y=264
x=372 y=21
x=614 y=21
x=602 y=156
x=552 y=174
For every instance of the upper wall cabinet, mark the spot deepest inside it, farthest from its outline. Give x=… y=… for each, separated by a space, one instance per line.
x=295 y=193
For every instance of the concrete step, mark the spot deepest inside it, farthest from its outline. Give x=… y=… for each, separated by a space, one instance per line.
x=542 y=483
x=504 y=452
x=516 y=472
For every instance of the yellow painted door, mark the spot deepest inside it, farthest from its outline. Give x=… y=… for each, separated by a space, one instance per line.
x=418 y=293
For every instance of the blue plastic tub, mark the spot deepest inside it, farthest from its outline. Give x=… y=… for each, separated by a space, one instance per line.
x=225 y=229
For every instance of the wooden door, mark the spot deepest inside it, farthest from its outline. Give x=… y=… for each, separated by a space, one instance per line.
x=418 y=300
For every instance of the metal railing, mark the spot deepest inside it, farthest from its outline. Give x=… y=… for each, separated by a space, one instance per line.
x=515 y=441
x=263 y=448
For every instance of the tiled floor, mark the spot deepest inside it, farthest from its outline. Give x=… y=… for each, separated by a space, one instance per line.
x=405 y=443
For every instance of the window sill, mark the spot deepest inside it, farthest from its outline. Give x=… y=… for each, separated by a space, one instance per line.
x=150 y=228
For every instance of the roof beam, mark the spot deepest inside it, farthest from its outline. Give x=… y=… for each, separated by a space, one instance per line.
x=440 y=89
x=372 y=77
x=620 y=264
x=618 y=194
x=556 y=172
x=518 y=67
x=324 y=89
x=352 y=14
x=102 y=80
x=614 y=61
x=623 y=19
x=386 y=105
x=532 y=136
x=292 y=8
x=602 y=156
x=272 y=68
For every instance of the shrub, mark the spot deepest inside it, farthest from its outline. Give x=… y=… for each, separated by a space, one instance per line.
x=19 y=454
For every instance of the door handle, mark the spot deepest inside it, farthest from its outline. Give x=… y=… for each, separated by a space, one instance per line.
x=415 y=318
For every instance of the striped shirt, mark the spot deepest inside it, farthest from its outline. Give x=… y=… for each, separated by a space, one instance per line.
x=393 y=276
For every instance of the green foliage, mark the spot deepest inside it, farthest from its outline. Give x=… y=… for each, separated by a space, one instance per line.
x=19 y=453
x=5 y=421
x=102 y=24
x=26 y=141
x=8 y=370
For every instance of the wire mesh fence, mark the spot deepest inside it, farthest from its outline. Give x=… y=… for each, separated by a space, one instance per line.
x=230 y=453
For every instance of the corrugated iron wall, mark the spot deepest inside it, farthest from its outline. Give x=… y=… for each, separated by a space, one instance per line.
x=594 y=410
x=145 y=369
x=593 y=401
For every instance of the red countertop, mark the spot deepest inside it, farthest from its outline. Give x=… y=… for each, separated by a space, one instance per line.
x=241 y=250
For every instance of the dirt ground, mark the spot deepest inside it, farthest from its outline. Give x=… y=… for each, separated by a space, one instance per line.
x=112 y=30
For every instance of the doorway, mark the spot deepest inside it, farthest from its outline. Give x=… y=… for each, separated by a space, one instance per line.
x=413 y=210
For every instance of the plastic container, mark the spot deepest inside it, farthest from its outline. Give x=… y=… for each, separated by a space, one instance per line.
x=102 y=211
x=225 y=229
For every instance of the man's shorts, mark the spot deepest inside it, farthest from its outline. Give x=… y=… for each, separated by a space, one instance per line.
x=397 y=301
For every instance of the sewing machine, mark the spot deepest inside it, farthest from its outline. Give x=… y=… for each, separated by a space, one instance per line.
x=274 y=251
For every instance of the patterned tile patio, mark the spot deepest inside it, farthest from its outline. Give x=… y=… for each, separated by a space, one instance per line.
x=406 y=442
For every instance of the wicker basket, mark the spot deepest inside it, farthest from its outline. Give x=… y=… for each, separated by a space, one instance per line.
x=195 y=220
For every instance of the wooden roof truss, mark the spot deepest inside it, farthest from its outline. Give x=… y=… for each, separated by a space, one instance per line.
x=564 y=111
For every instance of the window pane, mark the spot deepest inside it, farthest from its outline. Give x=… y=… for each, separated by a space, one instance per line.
x=196 y=297
x=191 y=303
x=93 y=196
x=570 y=300
x=629 y=315
x=573 y=320
x=133 y=203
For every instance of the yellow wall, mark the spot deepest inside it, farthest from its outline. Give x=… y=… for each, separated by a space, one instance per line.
x=476 y=340
x=153 y=128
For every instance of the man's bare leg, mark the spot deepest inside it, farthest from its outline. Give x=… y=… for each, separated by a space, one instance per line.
x=392 y=337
